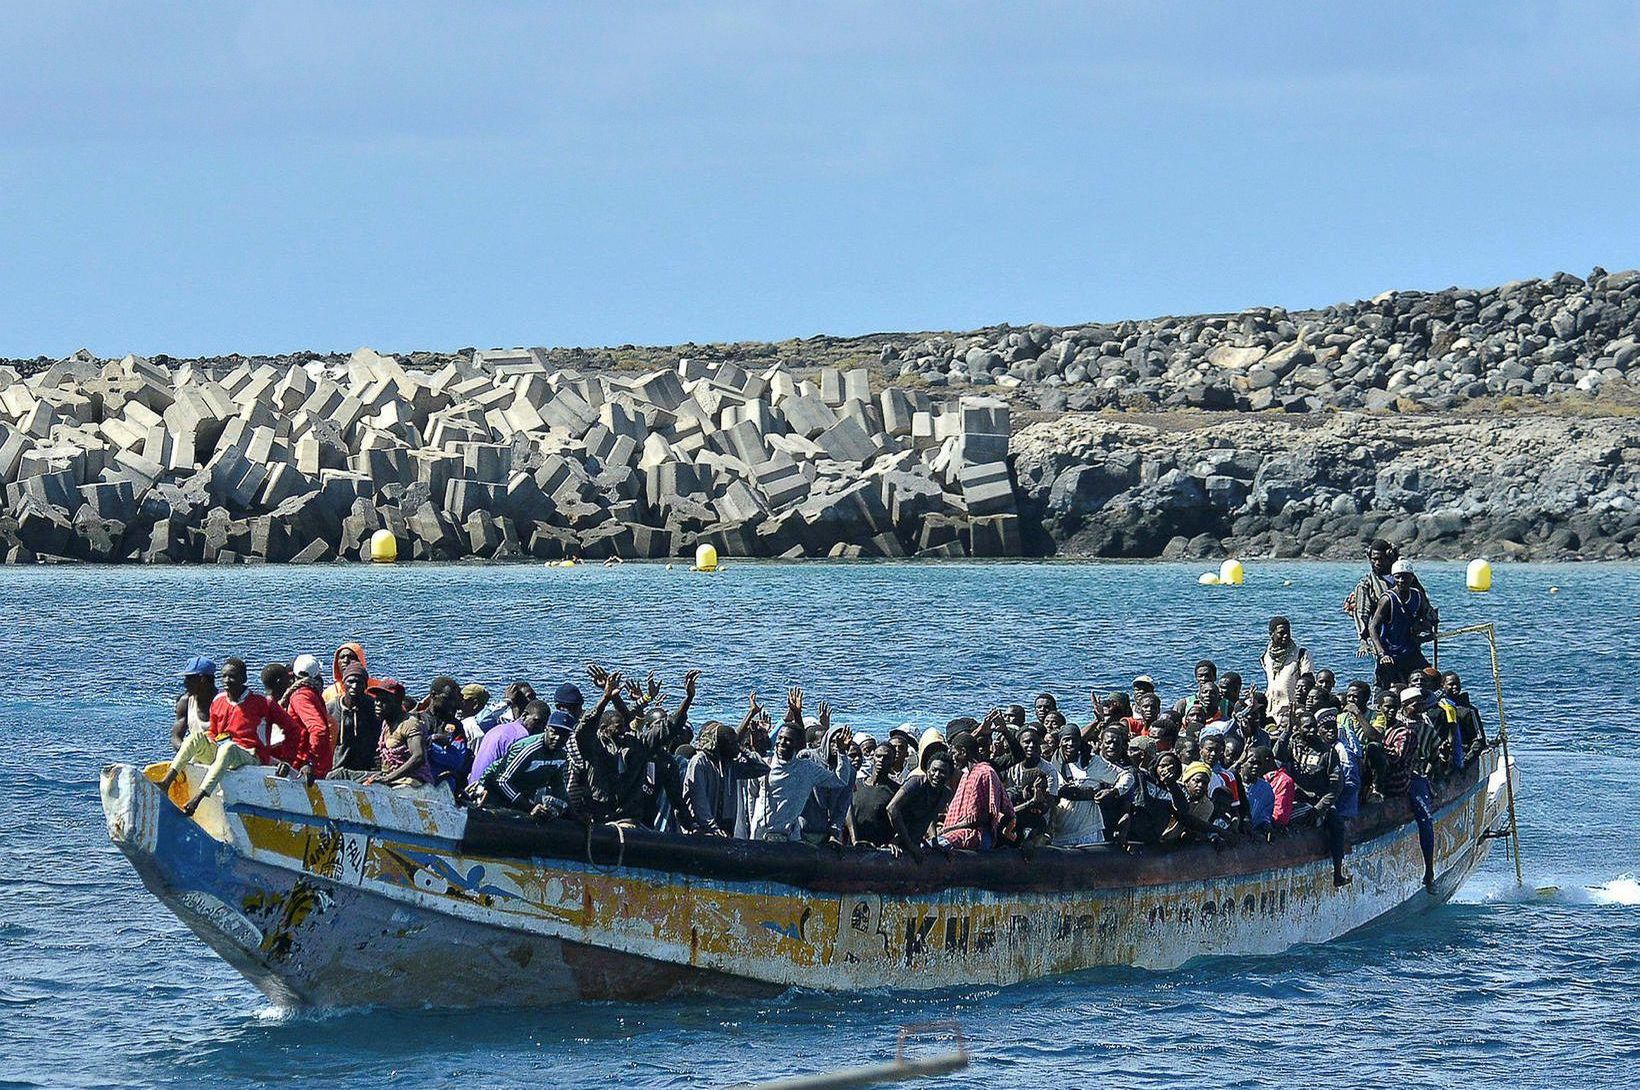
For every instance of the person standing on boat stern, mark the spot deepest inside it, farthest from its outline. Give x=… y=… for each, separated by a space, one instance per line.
x=980 y=815
x=1284 y=663
x=1400 y=624
x=236 y=736
x=194 y=705
x=1364 y=599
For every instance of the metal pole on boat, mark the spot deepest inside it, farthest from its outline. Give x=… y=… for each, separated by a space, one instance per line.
x=1503 y=742
x=1490 y=631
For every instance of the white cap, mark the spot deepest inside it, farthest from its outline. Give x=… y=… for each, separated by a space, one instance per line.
x=861 y=737
x=1400 y=567
x=307 y=666
x=1411 y=692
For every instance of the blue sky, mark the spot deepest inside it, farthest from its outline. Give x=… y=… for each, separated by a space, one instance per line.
x=206 y=178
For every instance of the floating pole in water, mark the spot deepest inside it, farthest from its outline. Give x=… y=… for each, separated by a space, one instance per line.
x=901 y=1069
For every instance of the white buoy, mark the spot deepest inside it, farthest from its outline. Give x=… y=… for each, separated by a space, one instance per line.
x=1209 y=579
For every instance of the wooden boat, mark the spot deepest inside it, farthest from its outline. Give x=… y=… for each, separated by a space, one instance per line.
x=339 y=895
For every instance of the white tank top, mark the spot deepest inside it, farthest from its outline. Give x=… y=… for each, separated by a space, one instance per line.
x=197 y=720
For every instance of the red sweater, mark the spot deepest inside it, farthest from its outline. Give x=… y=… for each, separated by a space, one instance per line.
x=246 y=723
x=1285 y=790
x=311 y=746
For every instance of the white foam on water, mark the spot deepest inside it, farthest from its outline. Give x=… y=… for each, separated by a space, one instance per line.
x=1623 y=891
x=1620 y=891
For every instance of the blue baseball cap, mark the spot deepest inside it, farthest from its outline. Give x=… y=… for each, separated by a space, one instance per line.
x=561 y=721
x=199 y=664
x=567 y=695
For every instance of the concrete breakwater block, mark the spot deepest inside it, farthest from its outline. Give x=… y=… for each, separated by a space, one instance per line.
x=496 y=453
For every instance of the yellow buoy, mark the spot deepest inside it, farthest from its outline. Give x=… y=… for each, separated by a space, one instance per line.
x=1230 y=572
x=1209 y=579
x=384 y=547
x=706 y=558
x=1478 y=577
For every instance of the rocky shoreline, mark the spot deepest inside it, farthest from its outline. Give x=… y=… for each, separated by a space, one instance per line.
x=1503 y=422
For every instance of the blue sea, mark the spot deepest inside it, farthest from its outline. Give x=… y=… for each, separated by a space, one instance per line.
x=1533 y=986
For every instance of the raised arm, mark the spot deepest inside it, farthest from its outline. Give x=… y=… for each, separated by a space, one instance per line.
x=690 y=681
x=586 y=731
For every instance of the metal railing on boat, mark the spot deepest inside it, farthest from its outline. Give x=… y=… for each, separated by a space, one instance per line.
x=1490 y=631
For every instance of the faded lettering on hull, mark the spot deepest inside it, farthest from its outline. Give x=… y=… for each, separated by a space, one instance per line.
x=308 y=856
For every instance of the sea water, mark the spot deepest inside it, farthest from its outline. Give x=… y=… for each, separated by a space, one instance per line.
x=101 y=986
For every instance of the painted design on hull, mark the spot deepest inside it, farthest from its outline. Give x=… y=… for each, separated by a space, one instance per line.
x=317 y=904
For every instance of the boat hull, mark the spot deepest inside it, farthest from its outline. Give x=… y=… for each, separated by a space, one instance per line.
x=334 y=895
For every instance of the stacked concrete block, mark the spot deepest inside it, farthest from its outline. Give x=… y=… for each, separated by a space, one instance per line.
x=497 y=455
x=807 y=415
x=987 y=489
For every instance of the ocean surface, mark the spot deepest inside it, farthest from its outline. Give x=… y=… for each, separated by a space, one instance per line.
x=100 y=986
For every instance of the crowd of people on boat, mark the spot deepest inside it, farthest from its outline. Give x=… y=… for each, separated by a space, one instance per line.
x=1230 y=761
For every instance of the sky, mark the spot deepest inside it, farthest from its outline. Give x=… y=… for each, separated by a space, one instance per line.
x=268 y=177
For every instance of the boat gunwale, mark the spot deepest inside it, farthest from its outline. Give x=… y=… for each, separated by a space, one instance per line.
x=492 y=834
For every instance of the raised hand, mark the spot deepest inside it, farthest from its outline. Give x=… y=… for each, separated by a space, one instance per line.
x=825 y=715
x=612 y=683
x=597 y=673
x=653 y=681
x=690 y=680
x=794 y=702
x=635 y=691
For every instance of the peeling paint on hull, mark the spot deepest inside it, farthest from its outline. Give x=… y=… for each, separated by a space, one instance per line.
x=338 y=896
